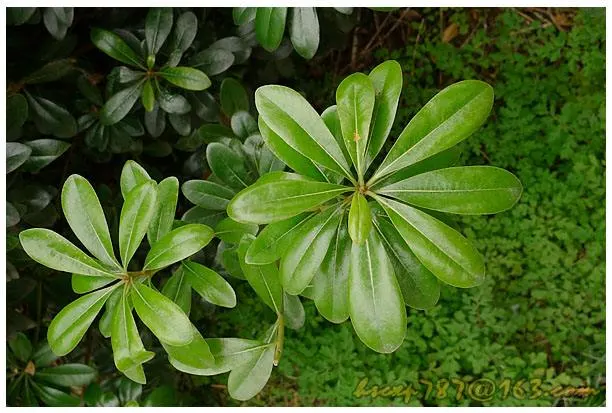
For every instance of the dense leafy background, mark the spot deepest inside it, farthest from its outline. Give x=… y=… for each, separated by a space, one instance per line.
x=541 y=312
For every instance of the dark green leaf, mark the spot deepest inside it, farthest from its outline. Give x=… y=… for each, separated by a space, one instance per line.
x=54 y=397
x=270 y=26
x=21 y=347
x=242 y=15
x=207 y=195
x=118 y=106
x=157 y=28
x=212 y=61
x=57 y=20
x=243 y=124
x=50 y=118
x=16 y=154
x=68 y=375
x=16 y=114
x=233 y=96
x=273 y=239
x=44 y=151
x=50 y=72
x=114 y=46
x=228 y=165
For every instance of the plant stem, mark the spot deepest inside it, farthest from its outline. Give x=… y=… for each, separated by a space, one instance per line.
x=280 y=339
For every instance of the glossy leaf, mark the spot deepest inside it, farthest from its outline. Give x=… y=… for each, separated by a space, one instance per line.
x=242 y=15
x=228 y=165
x=16 y=154
x=114 y=46
x=136 y=214
x=304 y=31
x=248 y=379
x=233 y=97
x=132 y=175
x=283 y=195
x=162 y=316
x=178 y=289
x=270 y=26
x=177 y=245
x=52 y=71
x=291 y=117
x=105 y=325
x=273 y=239
x=293 y=312
x=191 y=358
x=165 y=209
x=231 y=231
x=118 y=106
x=441 y=249
x=57 y=20
x=21 y=347
x=51 y=118
x=332 y=121
x=54 y=251
x=186 y=77
x=197 y=215
x=459 y=190
x=70 y=324
x=148 y=96
x=387 y=81
x=173 y=103
x=359 y=219
x=86 y=218
x=212 y=61
x=206 y=194
x=210 y=285
x=67 y=375
x=82 y=284
x=54 y=397
x=375 y=300
x=157 y=28
x=447 y=119
x=302 y=259
x=243 y=124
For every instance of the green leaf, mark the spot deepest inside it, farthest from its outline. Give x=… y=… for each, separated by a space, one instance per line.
x=264 y=279
x=387 y=81
x=355 y=98
x=185 y=31
x=114 y=46
x=359 y=219
x=295 y=160
x=304 y=31
x=54 y=251
x=214 y=133
x=155 y=121
x=248 y=379
x=273 y=239
x=57 y=20
x=293 y=312
x=165 y=209
x=259 y=154
x=16 y=154
x=50 y=118
x=243 y=15
x=69 y=325
x=304 y=256
x=447 y=119
x=212 y=61
x=105 y=325
x=228 y=165
x=197 y=215
x=82 y=284
x=44 y=151
x=119 y=105
x=228 y=354
x=231 y=231
x=330 y=284
x=21 y=347
x=210 y=285
x=86 y=218
x=180 y=123
x=162 y=396
x=136 y=214
x=178 y=289
x=158 y=25
x=50 y=72
x=129 y=391
x=283 y=195
x=233 y=96
x=16 y=114
x=291 y=117
x=67 y=375
x=375 y=300
x=173 y=103
x=128 y=351
x=177 y=245
x=270 y=26
x=191 y=358
x=148 y=96
x=243 y=124
x=19 y=15
x=162 y=316
x=460 y=190
x=419 y=287
x=206 y=194
x=236 y=45
x=186 y=77
x=332 y=121
x=441 y=249
x=54 y=397
x=132 y=175
x=43 y=356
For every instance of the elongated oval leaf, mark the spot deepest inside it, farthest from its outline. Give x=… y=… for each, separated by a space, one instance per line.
x=246 y=380
x=86 y=218
x=387 y=81
x=70 y=324
x=67 y=375
x=291 y=117
x=178 y=289
x=118 y=106
x=234 y=97
x=447 y=119
x=212 y=61
x=304 y=31
x=16 y=114
x=231 y=231
x=114 y=46
x=193 y=357
x=52 y=396
x=207 y=194
x=136 y=214
x=54 y=251
x=375 y=300
x=148 y=96
x=44 y=151
x=185 y=31
x=459 y=190
x=162 y=316
x=304 y=256
x=228 y=165
x=332 y=121
x=51 y=118
x=441 y=249
x=132 y=175
x=16 y=154
x=177 y=245
x=282 y=196
x=82 y=284
x=270 y=26
x=165 y=209
x=242 y=15
x=210 y=285
x=359 y=219
x=157 y=27
x=186 y=77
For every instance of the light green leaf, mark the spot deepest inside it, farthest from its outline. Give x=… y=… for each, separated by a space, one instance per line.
x=82 y=284
x=375 y=300
x=231 y=231
x=387 y=81
x=197 y=215
x=86 y=218
x=118 y=106
x=67 y=375
x=136 y=214
x=105 y=325
x=282 y=195
x=165 y=209
x=293 y=312
x=69 y=325
x=177 y=245
x=178 y=289
x=228 y=165
x=233 y=97
x=132 y=175
x=207 y=195
x=461 y=190
x=186 y=77
x=304 y=31
x=242 y=15
x=16 y=154
x=54 y=251
x=270 y=26
x=359 y=219
x=332 y=121
x=162 y=316
x=248 y=379
x=191 y=358
x=158 y=25
x=304 y=256
x=290 y=116
x=447 y=119
x=114 y=46
x=148 y=96
x=210 y=285
x=441 y=249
